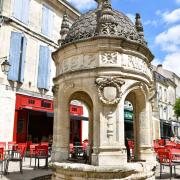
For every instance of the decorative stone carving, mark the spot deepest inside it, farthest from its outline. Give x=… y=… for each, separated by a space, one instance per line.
x=110 y=125
x=109 y=58
x=55 y=89
x=108 y=83
x=104 y=21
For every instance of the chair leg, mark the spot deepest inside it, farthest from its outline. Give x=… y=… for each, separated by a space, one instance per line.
x=175 y=170
x=38 y=163
x=30 y=161
x=35 y=163
x=20 y=165
x=7 y=164
x=160 y=170
x=46 y=162
x=170 y=171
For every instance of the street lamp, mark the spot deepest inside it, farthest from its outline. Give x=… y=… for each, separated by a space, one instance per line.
x=5 y=65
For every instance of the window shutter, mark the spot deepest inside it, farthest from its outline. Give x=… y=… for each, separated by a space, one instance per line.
x=47 y=21
x=43 y=68
x=45 y=17
x=48 y=69
x=50 y=23
x=25 y=11
x=17 y=9
x=22 y=59
x=14 y=56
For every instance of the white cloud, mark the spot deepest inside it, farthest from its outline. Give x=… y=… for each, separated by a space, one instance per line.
x=172 y=62
x=178 y=1
x=169 y=40
x=151 y=22
x=83 y=5
x=171 y=17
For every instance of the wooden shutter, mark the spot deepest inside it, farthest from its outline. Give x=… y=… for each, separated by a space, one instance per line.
x=14 y=56
x=21 y=10
x=47 y=21
x=25 y=11
x=43 y=81
x=17 y=9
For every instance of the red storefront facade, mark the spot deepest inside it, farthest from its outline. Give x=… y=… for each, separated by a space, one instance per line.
x=34 y=119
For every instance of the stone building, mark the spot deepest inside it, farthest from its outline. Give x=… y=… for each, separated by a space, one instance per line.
x=168 y=89
x=29 y=32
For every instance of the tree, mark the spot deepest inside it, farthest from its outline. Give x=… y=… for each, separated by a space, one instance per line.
x=177 y=107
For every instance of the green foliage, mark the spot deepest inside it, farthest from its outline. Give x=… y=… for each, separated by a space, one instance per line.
x=177 y=108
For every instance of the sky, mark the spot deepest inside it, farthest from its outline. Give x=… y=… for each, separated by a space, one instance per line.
x=161 y=21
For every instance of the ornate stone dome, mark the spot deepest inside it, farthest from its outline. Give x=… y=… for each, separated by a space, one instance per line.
x=105 y=22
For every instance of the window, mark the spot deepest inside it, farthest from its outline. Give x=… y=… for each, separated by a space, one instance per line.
x=21 y=10
x=17 y=57
x=47 y=21
x=44 y=68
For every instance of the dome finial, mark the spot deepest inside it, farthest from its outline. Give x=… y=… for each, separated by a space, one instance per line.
x=101 y=2
x=65 y=26
x=139 y=26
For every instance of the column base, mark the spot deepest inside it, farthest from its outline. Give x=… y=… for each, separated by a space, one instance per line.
x=113 y=158
x=59 y=154
x=147 y=154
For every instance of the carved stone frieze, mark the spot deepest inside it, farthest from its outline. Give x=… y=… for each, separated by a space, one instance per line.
x=109 y=58
x=111 y=85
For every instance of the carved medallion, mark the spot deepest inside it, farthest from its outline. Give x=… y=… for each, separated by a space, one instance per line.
x=109 y=58
x=109 y=89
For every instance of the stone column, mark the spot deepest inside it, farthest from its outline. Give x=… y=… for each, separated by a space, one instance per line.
x=144 y=131
x=109 y=149
x=61 y=129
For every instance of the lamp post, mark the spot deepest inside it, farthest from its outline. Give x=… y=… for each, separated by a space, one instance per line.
x=5 y=65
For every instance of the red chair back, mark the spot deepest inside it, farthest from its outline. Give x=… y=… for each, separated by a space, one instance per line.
x=3 y=145
x=161 y=142
x=165 y=156
x=131 y=144
x=32 y=149
x=21 y=148
x=11 y=145
x=71 y=147
x=1 y=153
x=44 y=143
x=41 y=150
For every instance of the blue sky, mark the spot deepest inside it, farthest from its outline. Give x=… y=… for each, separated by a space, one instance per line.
x=161 y=20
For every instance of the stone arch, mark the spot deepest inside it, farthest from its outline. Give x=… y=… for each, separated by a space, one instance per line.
x=137 y=94
x=86 y=99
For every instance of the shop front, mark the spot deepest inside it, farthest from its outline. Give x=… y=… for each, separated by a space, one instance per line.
x=34 y=119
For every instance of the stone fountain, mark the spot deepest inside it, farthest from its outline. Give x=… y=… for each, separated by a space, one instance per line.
x=104 y=60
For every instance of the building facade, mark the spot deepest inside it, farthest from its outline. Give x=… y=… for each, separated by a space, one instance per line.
x=168 y=89
x=29 y=32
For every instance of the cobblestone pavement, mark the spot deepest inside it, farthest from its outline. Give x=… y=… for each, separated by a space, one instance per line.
x=166 y=173
x=29 y=172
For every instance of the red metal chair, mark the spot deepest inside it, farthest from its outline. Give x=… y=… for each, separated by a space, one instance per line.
x=32 y=151
x=166 y=159
x=131 y=147
x=16 y=156
x=41 y=152
x=2 y=160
